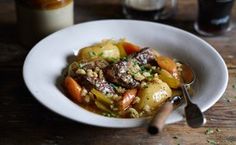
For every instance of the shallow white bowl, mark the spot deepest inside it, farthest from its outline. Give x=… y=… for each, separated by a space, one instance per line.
x=44 y=64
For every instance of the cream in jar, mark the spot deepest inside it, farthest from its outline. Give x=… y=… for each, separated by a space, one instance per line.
x=39 y=18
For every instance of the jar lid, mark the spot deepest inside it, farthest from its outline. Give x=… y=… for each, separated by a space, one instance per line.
x=44 y=4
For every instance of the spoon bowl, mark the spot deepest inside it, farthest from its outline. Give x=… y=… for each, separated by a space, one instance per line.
x=193 y=114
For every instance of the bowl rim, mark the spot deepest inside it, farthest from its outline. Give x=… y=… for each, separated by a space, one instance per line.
x=140 y=120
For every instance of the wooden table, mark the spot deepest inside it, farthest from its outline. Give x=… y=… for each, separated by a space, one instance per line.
x=23 y=121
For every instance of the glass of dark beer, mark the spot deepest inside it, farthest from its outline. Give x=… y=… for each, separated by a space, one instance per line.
x=213 y=17
x=149 y=9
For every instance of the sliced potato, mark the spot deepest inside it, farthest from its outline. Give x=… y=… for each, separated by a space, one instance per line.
x=169 y=79
x=121 y=48
x=106 y=49
x=102 y=107
x=101 y=97
x=153 y=95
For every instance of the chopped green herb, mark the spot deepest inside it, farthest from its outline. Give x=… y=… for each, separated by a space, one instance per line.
x=209 y=131
x=100 y=54
x=124 y=58
x=151 y=71
x=113 y=59
x=212 y=142
x=92 y=53
x=146 y=86
x=80 y=65
x=134 y=73
x=149 y=78
x=135 y=62
x=142 y=68
x=113 y=85
x=109 y=114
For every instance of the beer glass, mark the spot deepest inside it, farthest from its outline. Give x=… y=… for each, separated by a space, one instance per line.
x=149 y=9
x=213 y=17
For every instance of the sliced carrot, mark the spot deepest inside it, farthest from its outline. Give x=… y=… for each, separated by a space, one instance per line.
x=73 y=89
x=127 y=99
x=130 y=48
x=167 y=64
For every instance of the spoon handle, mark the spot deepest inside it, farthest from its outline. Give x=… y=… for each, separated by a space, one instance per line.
x=186 y=94
x=158 y=121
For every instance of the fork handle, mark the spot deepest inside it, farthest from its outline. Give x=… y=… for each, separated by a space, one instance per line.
x=158 y=122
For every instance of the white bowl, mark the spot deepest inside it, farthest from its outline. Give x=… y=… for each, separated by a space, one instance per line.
x=44 y=64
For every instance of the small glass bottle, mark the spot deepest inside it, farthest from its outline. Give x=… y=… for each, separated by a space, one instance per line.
x=39 y=18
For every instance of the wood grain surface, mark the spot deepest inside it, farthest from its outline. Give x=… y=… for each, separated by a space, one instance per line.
x=23 y=121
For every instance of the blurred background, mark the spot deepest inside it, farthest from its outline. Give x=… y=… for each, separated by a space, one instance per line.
x=85 y=10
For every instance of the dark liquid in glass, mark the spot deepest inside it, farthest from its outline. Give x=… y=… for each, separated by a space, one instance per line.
x=134 y=13
x=214 y=15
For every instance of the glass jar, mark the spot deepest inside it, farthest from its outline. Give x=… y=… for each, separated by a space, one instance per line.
x=39 y=18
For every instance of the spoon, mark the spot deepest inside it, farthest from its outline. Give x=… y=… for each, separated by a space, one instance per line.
x=193 y=114
x=158 y=121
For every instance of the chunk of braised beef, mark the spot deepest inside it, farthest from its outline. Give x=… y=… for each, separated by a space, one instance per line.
x=90 y=82
x=118 y=73
x=146 y=55
x=100 y=84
